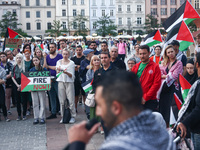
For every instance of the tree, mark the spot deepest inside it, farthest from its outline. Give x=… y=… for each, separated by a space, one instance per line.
x=78 y=24
x=151 y=23
x=9 y=20
x=105 y=26
x=56 y=29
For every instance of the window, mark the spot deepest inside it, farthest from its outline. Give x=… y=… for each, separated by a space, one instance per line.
x=14 y=12
x=128 y=8
x=119 y=7
x=94 y=2
x=153 y=2
x=27 y=2
x=28 y=26
x=74 y=25
x=128 y=21
x=27 y=14
x=37 y=2
x=111 y=13
x=38 y=26
x=82 y=12
x=94 y=13
x=111 y=2
x=103 y=12
x=82 y=25
x=103 y=2
x=172 y=10
x=48 y=14
x=74 y=12
x=48 y=2
x=4 y=11
x=82 y=2
x=163 y=11
x=163 y=2
x=94 y=25
x=153 y=11
x=37 y=14
x=63 y=12
x=74 y=2
x=139 y=20
x=64 y=25
x=196 y=4
x=173 y=2
x=49 y=26
x=63 y=2
x=120 y=21
x=139 y=8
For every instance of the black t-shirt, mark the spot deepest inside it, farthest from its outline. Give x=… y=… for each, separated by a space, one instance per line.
x=76 y=60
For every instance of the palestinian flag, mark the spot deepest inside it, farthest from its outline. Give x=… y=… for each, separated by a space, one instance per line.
x=178 y=101
x=181 y=33
x=87 y=86
x=185 y=13
x=41 y=47
x=10 y=34
x=153 y=38
x=185 y=86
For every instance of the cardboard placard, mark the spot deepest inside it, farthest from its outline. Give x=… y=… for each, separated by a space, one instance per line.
x=13 y=43
x=35 y=81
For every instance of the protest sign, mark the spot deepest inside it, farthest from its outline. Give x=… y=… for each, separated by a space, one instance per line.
x=13 y=43
x=35 y=81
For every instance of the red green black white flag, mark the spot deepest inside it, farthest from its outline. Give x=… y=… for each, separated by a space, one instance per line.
x=153 y=38
x=185 y=86
x=185 y=13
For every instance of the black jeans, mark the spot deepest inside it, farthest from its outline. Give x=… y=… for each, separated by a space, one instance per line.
x=21 y=98
x=2 y=100
x=121 y=56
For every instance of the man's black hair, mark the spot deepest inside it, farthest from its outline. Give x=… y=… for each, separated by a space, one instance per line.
x=3 y=53
x=158 y=46
x=107 y=53
x=26 y=46
x=122 y=86
x=145 y=47
x=53 y=44
x=79 y=46
x=92 y=42
x=104 y=42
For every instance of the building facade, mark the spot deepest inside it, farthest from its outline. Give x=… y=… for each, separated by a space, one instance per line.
x=37 y=16
x=162 y=9
x=99 y=8
x=130 y=15
x=10 y=5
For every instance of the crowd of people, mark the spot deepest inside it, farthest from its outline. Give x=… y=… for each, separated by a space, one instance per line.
x=158 y=81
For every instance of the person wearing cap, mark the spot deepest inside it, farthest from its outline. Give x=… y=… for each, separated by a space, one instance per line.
x=85 y=63
x=179 y=55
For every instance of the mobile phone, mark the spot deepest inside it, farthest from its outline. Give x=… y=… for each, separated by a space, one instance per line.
x=91 y=123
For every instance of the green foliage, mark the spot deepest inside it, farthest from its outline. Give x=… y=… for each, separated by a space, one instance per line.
x=140 y=32
x=22 y=33
x=56 y=29
x=79 y=23
x=151 y=23
x=105 y=26
x=8 y=20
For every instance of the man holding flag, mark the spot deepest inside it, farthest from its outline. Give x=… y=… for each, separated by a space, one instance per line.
x=191 y=110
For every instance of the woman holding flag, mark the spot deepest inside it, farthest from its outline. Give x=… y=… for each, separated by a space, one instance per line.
x=66 y=75
x=170 y=70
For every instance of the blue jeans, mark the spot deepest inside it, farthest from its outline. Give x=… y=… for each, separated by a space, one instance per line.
x=196 y=140
x=53 y=93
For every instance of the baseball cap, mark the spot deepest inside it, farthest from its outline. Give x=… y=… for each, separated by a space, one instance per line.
x=87 y=51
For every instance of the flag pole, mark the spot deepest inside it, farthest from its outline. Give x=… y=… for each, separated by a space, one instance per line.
x=4 y=43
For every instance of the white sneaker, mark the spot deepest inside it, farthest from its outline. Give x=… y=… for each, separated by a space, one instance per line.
x=61 y=121
x=72 y=120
